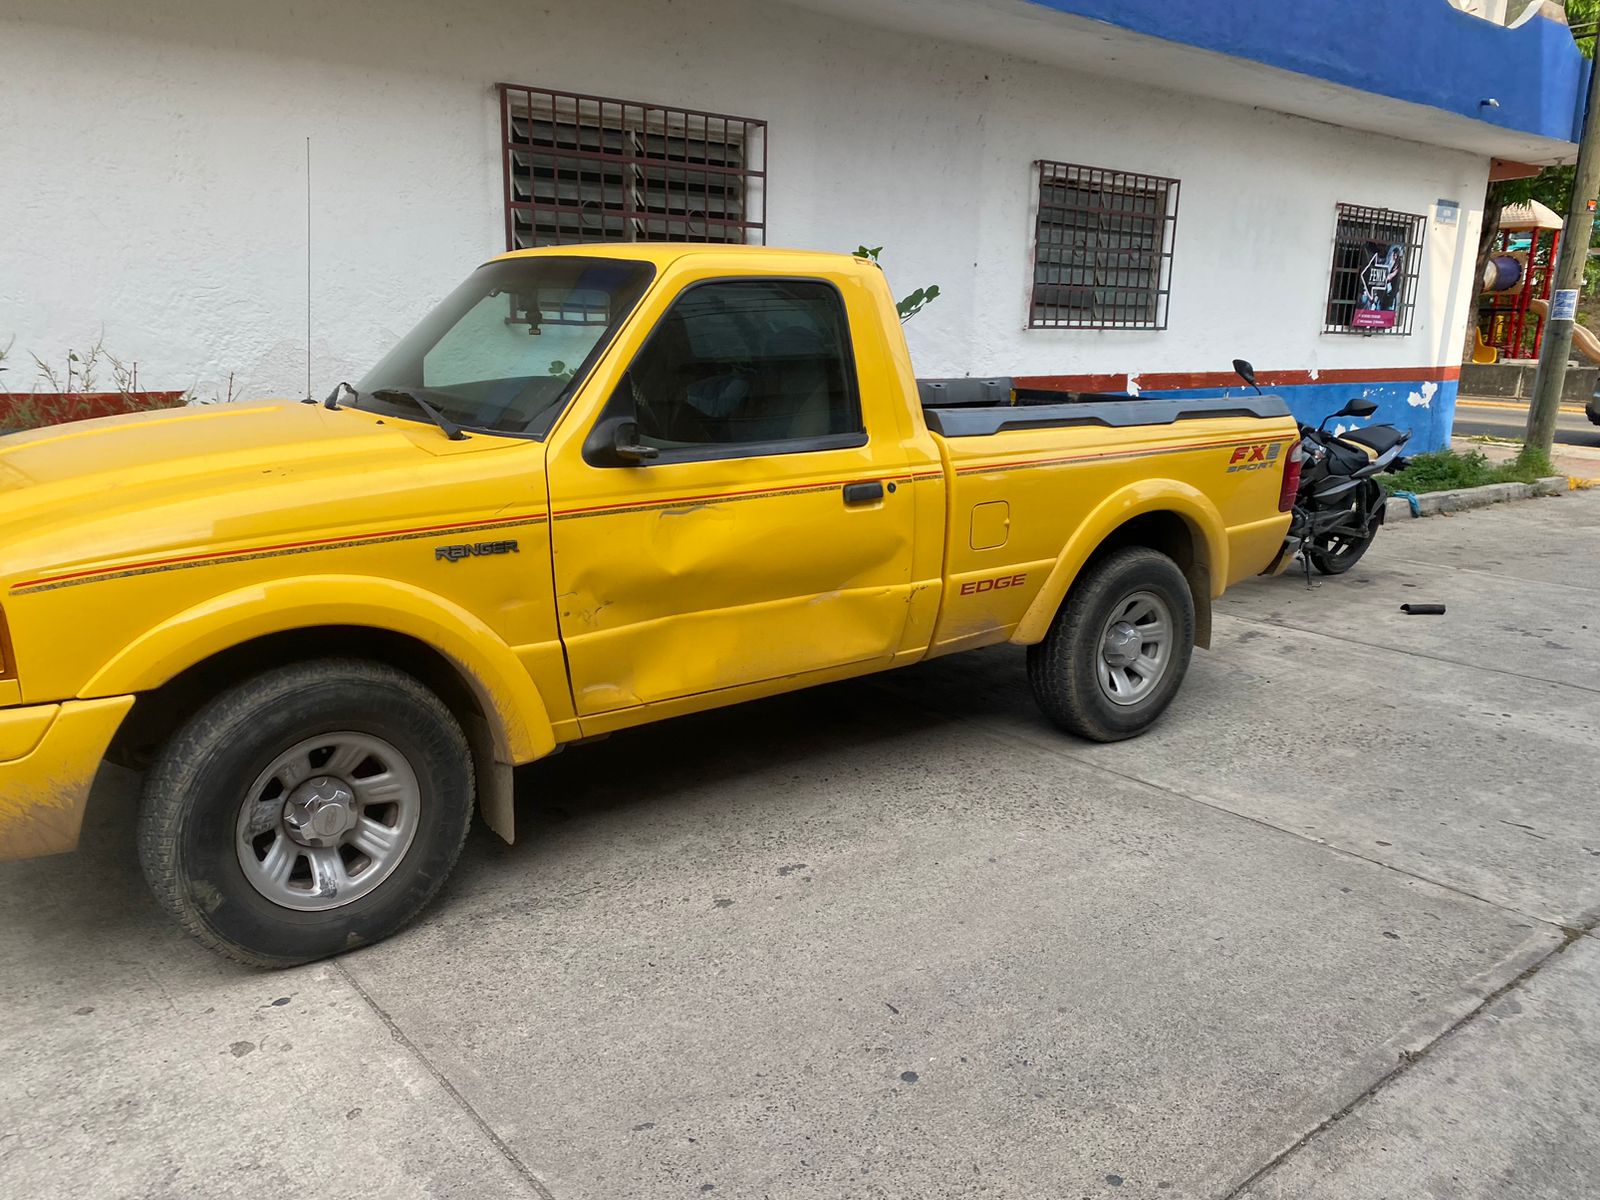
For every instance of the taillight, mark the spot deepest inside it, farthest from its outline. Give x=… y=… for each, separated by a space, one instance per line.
x=1291 y=477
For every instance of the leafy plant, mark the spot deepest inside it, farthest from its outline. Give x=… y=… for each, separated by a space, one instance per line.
x=1443 y=470
x=912 y=304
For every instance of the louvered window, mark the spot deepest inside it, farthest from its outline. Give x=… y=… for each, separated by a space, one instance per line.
x=588 y=169
x=1102 y=254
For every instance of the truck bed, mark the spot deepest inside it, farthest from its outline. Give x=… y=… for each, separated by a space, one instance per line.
x=979 y=407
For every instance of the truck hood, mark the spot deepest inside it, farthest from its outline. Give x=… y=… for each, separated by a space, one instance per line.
x=89 y=456
x=96 y=490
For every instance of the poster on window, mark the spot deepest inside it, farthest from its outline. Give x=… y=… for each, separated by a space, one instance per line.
x=1381 y=278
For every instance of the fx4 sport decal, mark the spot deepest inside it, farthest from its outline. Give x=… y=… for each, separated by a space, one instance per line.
x=974 y=586
x=1257 y=456
x=473 y=550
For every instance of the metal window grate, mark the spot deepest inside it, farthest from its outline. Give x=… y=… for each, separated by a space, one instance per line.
x=589 y=169
x=1102 y=256
x=1372 y=285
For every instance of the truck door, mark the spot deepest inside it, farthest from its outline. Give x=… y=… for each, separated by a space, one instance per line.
x=765 y=535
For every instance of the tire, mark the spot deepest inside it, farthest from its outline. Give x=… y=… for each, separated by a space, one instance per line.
x=1334 y=554
x=1074 y=669
x=215 y=820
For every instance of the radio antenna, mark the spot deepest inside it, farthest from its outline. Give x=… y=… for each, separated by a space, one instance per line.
x=308 y=268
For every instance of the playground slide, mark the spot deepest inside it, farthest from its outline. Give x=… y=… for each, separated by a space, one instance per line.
x=1584 y=342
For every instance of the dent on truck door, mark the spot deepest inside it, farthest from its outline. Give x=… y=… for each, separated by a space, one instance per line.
x=764 y=540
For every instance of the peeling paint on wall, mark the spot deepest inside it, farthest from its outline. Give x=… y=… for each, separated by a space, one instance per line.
x=1423 y=396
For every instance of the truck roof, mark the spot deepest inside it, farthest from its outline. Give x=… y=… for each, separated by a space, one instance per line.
x=661 y=253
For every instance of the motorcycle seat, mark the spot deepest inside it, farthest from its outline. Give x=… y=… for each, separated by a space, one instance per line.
x=1346 y=460
x=1378 y=438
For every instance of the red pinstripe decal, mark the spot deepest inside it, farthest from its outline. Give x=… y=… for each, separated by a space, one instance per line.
x=627 y=505
x=798 y=489
x=980 y=468
x=183 y=560
x=91 y=574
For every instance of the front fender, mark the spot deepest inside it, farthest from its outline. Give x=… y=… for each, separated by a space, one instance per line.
x=517 y=715
x=1206 y=527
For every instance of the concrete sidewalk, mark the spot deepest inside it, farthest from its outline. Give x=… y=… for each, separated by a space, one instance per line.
x=1580 y=463
x=1322 y=933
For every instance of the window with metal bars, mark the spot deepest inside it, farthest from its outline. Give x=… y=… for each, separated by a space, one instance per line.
x=1377 y=257
x=1102 y=255
x=589 y=169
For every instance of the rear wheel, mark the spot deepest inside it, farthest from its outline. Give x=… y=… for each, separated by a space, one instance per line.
x=1118 y=649
x=306 y=811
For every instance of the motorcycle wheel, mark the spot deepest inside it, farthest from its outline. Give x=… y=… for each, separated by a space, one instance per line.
x=1335 y=552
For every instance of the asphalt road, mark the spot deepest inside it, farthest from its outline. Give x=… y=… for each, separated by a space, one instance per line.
x=1326 y=932
x=1510 y=420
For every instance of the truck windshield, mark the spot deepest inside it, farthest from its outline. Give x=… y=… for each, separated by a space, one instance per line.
x=504 y=351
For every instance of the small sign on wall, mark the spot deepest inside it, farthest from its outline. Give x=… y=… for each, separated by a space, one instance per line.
x=1564 y=305
x=1380 y=286
x=1446 y=212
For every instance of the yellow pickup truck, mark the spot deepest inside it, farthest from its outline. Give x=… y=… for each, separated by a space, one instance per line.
x=595 y=487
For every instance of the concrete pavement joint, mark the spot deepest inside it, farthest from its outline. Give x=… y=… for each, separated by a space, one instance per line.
x=1215 y=805
x=1220 y=807
x=1454 y=662
x=399 y=1035
x=1408 y=1059
x=1570 y=935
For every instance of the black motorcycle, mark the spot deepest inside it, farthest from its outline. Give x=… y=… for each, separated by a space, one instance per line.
x=1339 y=505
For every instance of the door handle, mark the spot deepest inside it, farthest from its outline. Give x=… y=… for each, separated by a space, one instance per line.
x=863 y=493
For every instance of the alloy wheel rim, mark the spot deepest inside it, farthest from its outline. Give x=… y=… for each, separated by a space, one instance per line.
x=328 y=820
x=1135 y=650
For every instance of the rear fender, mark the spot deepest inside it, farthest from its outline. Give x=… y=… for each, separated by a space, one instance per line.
x=1207 y=532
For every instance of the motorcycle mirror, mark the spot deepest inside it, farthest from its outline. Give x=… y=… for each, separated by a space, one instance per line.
x=1359 y=407
x=1243 y=369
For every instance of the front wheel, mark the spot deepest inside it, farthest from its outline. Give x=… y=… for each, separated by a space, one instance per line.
x=1118 y=649
x=308 y=810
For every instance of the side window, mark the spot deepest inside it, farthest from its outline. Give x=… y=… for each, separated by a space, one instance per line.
x=745 y=363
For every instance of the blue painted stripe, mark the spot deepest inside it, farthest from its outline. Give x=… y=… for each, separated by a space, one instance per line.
x=1419 y=51
x=1427 y=409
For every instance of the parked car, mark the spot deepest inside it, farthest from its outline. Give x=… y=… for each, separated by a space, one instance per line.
x=596 y=487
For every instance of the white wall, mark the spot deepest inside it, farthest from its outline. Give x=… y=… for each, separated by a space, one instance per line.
x=1489 y=10
x=153 y=180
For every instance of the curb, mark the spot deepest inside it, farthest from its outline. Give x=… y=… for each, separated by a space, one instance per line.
x=1460 y=499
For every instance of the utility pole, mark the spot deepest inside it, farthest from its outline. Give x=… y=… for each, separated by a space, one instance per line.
x=1574 y=254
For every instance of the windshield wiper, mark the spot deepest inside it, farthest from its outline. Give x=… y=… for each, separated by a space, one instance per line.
x=332 y=402
x=451 y=429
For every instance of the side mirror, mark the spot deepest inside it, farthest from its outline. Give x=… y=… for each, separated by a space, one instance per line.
x=1246 y=372
x=1358 y=407
x=615 y=443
